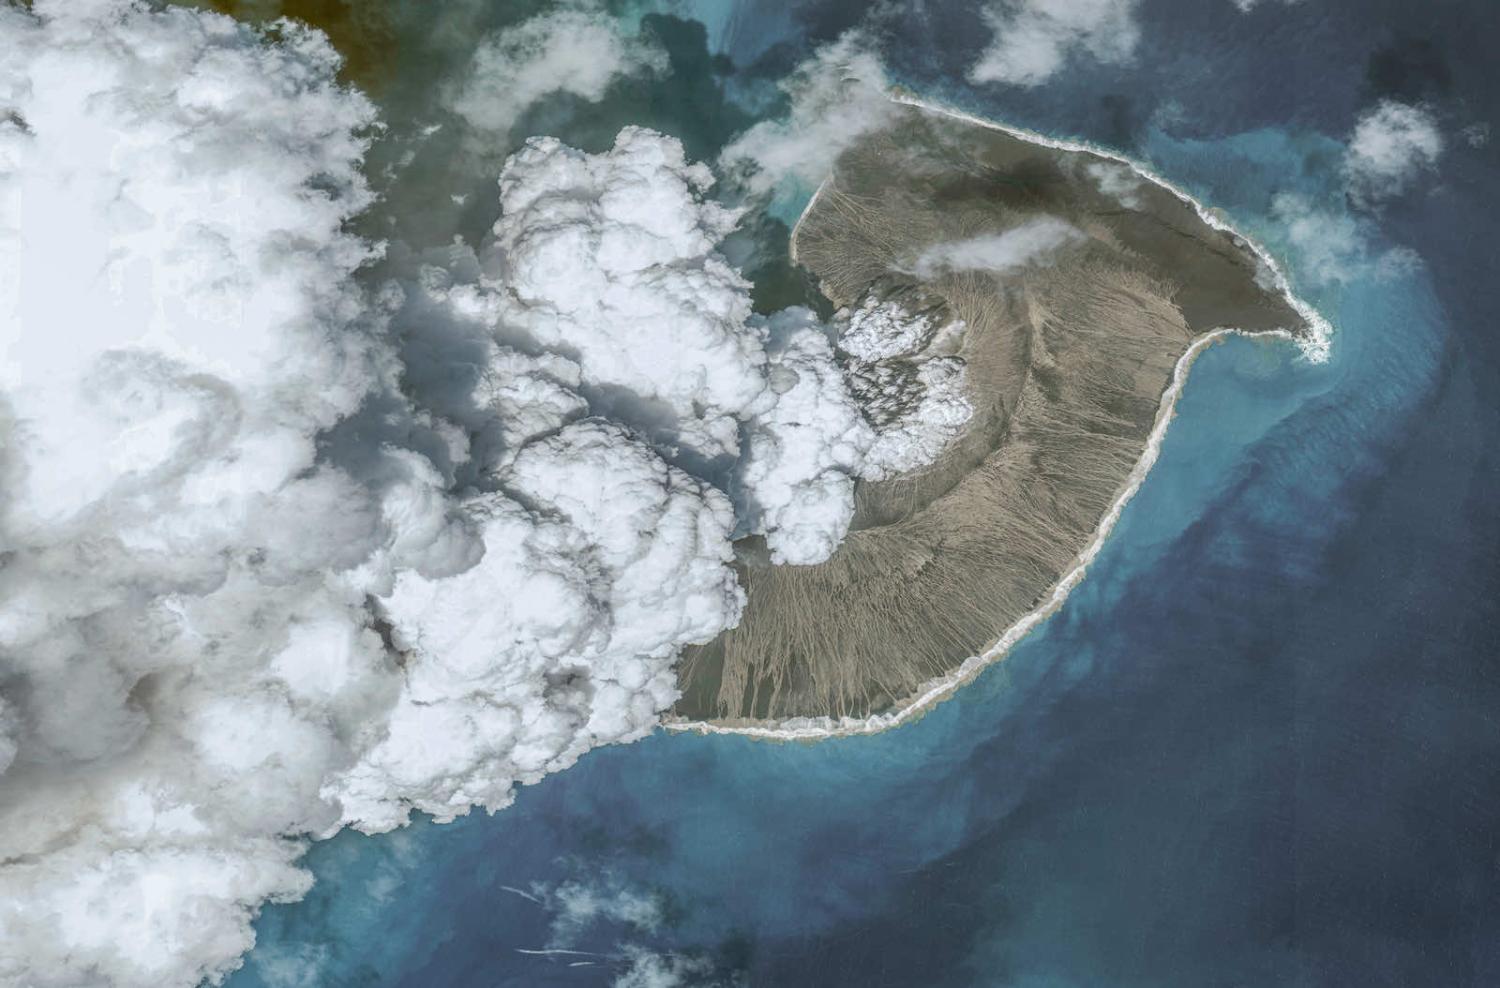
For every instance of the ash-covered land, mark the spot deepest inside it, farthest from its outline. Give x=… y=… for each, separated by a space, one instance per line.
x=1011 y=315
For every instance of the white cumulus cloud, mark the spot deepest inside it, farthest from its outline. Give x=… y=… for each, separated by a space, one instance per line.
x=1033 y=39
x=561 y=637
x=577 y=50
x=1336 y=247
x=583 y=912
x=997 y=252
x=284 y=551
x=918 y=408
x=648 y=969
x=911 y=388
x=836 y=96
x=178 y=325
x=244 y=601
x=1392 y=143
x=1245 y=6
x=608 y=264
x=797 y=474
x=1120 y=182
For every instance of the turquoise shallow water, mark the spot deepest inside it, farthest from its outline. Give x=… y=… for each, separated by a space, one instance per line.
x=1256 y=747
x=772 y=842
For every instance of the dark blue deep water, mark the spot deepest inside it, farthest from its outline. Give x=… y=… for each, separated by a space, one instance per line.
x=1260 y=745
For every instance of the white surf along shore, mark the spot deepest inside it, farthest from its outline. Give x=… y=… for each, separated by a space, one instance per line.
x=1316 y=347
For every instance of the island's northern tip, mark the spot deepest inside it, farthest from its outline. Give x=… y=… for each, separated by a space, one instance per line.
x=1065 y=290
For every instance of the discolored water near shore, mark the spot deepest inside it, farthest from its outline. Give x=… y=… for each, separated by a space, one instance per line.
x=1068 y=354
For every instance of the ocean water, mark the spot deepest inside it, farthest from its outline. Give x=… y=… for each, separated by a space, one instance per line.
x=1259 y=745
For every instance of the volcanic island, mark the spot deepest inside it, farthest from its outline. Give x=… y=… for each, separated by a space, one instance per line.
x=1072 y=358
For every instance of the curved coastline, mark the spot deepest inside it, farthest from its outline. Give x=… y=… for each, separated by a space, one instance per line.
x=1319 y=343
x=1315 y=347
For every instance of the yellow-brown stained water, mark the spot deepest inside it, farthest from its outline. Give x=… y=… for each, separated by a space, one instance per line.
x=362 y=32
